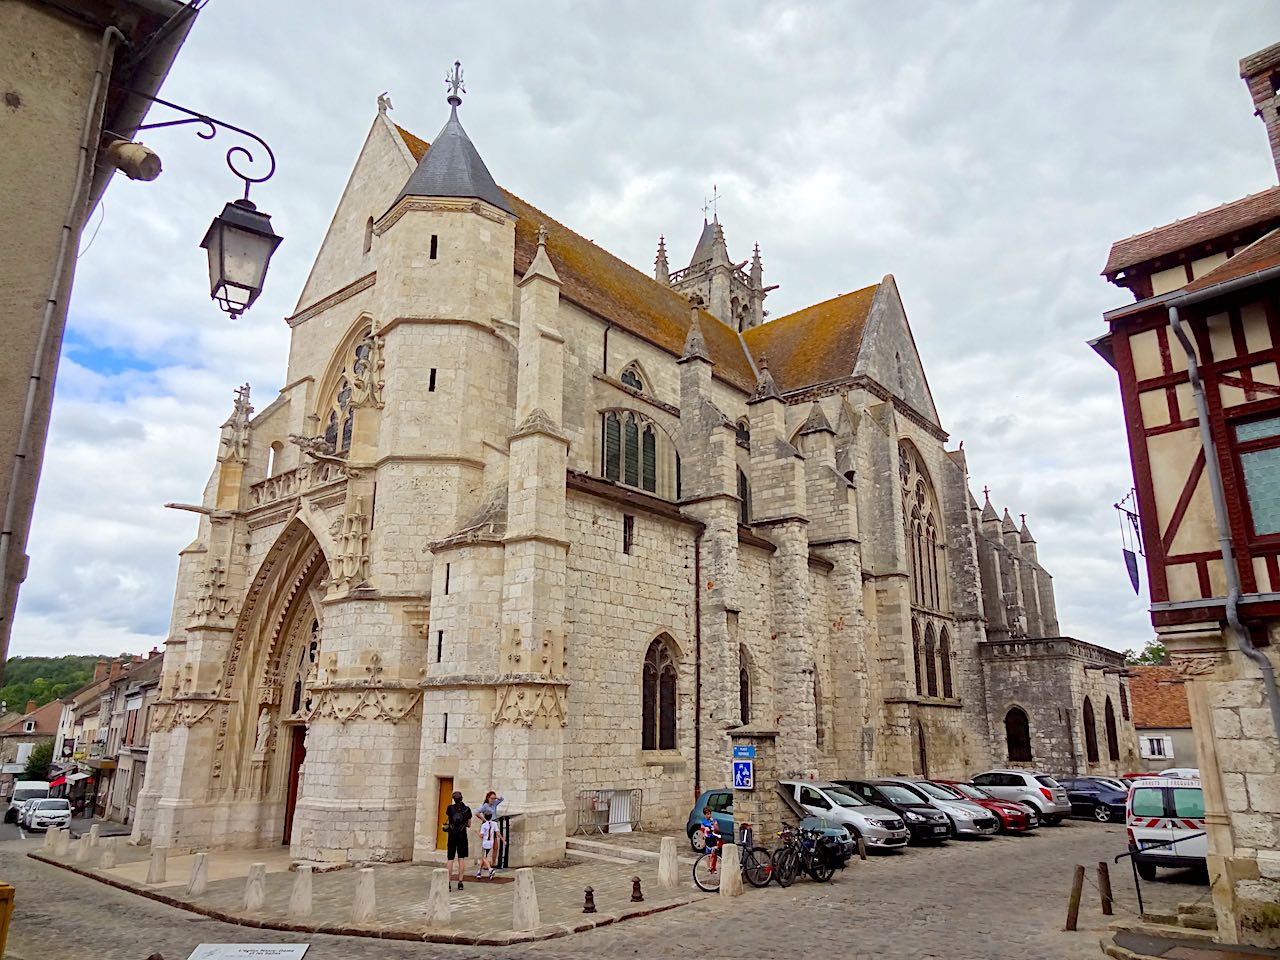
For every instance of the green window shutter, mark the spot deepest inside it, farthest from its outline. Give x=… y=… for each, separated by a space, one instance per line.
x=649 y=462
x=612 y=446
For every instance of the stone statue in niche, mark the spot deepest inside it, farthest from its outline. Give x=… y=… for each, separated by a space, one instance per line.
x=264 y=733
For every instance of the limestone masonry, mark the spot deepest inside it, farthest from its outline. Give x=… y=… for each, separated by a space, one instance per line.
x=525 y=518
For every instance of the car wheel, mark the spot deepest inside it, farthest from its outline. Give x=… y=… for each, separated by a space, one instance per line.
x=1102 y=813
x=697 y=841
x=1051 y=819
x=1147 y=871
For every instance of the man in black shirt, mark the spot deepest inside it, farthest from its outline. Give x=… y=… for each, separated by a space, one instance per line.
x=457 y=820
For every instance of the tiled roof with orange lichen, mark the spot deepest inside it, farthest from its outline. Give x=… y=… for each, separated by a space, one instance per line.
x=595 y=279
x=1159 y=698
x=814 y=345
x=1258 y=256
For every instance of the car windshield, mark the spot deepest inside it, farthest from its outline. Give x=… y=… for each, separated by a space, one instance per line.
x=970 y=791
x=1048 y=781
x=899 y=794
x=29 y=794
x=932 y=790
x=52 y=805
x=1113 y=784
x=843 y=798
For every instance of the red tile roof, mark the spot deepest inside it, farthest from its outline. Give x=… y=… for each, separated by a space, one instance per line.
x=1257 y=208
x=1158 y=697
x=46 y=719
x=814 y=345
x=1258 y=256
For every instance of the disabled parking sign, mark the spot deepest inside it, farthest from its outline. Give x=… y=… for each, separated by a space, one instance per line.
x=744 y=774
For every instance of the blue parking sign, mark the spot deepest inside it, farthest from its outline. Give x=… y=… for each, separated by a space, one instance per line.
x=744 y=774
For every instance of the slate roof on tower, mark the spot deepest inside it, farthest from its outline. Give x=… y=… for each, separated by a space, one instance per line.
x=453 y=168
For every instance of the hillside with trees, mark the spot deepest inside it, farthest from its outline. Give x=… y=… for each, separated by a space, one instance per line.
x=44 y=678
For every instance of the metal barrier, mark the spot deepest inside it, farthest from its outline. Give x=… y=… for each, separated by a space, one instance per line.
x=608 y=811
x=1133 y=860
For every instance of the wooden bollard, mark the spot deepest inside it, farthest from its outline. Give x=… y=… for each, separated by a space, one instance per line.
x=588 y=900
x=862 y=849
x=1104 y=887
x=1073 y=904
x=636 y=895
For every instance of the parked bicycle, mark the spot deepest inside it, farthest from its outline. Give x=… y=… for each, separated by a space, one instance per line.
x=805 y=850
x=757 y=863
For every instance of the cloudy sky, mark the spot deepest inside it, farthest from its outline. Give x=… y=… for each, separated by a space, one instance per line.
x=985 y=153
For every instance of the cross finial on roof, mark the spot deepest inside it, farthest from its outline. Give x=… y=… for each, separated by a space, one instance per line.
x=454 y=82
x=986 y=494
x=1024 y=518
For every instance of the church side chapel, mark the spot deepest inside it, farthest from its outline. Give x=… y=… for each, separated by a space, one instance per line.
x=524 y=517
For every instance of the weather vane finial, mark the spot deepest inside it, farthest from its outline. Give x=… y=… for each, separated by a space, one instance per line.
x=713 y=205
x=454 y=82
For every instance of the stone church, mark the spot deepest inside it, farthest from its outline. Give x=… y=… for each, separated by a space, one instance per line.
x=524 y=517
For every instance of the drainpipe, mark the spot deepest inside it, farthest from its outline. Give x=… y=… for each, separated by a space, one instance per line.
x=697 y=662
x=47 y=337
x=1214 y=473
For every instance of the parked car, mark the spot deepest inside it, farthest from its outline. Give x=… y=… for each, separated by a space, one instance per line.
x=24 y=790
x=925 y=822
x=1013 y=817
x=880 y=829
x=1038 y=790
x=1163 y=809
x=968 y=819
x=1182 y=773
x=721 y=804
x=41 y=814
x=1095 y=797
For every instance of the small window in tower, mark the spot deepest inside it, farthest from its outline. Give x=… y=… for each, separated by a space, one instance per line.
x=368 y=235
x=444 y=737
x=448 y=568
x=439 y=645
x=628 y=532
x=434 y=246
x=431 y=381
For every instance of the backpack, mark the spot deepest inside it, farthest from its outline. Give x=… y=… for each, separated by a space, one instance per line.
x=459 y=814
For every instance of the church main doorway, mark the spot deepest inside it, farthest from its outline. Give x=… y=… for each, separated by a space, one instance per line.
x=443 y=799
x=297 y=753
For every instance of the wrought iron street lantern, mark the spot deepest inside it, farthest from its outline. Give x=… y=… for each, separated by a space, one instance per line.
x=240 y=243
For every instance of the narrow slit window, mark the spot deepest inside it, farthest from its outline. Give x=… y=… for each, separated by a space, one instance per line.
x=444 y=737
x=434 y=246
x=448 y=568
x=628 y=532
x=439 y=646
x=431 y=381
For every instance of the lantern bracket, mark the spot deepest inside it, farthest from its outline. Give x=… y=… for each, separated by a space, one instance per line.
x=211 y=127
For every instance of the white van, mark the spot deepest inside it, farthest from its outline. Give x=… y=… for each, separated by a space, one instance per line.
x=23 y=791
x=1163 y=809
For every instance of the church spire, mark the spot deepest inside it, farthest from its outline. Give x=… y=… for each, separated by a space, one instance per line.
x=757 y=268
x=766 y=389
x=661 y=270
x=452 y=166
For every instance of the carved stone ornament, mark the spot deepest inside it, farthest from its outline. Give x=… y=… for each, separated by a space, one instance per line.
x=213 y=601
x=1195 y=664
x=367 y=378
x=185 y=712
x=346 y=703
x=351 y=532
x=234 y=442
x=527 y=704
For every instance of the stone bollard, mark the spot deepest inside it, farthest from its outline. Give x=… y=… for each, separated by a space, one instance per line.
x=588 y=900
x=108 y=859
x=255 y=887
x=438 y=909
x=95 y=835
x=730 y=870
x=300 y=901
x=156 y=870
x=81 y=852
x=199 y=881
x=365 y=905
x=636 y=895
x=668 y=864
x=61 y=842
x=50 y=840
x=524 y=909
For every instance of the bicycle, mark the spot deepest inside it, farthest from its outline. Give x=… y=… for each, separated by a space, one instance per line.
x=757 y=863
x=802 y=850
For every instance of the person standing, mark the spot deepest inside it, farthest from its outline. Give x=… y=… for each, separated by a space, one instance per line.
x=490 y=805
x=457 y=820
x=490 y=844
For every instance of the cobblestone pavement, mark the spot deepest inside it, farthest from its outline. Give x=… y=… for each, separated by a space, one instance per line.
x=996 y=899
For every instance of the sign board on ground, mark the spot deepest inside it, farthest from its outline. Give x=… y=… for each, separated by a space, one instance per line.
x=256 y=951
x=744 y=752
x=744 y=774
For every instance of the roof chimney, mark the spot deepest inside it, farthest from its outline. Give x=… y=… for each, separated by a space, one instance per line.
x=31 y=707
x=117 y=668
x=99 y=670
x=1261 y=73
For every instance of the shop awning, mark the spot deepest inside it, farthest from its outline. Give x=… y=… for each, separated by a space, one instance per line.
x=57 y=783
x=77 y=777
x=99 y=764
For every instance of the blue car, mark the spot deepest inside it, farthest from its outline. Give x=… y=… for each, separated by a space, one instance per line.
x=1095 y=797
x=721 y=804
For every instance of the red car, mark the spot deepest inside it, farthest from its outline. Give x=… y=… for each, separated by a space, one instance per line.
x=1013 y=817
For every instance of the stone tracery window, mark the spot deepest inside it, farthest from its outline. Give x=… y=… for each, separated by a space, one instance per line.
x=658 y=697
x=337 y=415
x=1113 y=739
x=630 y=377
x=922 y=520
x=930 y=661
x=944 y=661
x=1090 y=732
x=744 y=499
x=916 y=654
x=303 y=671
x=636 y=452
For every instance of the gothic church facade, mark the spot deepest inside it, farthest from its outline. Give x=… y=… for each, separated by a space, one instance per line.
x=525 y=517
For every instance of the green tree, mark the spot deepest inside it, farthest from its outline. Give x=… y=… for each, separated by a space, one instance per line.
x=44 y=679
x=39 y=762
x=1153 y=653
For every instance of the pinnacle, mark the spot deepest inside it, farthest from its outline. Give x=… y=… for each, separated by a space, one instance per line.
x=817 y=421
x=695 y=346
x=766 y=389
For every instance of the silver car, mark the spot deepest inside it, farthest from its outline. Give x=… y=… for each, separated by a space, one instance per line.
x=968 y=819
x=880 y=829
x=1035 y=789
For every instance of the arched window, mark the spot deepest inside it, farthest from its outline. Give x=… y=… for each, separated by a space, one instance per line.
x=273 y=458
x=944 y=658
x=916 y=653
x=636 y=452
x=368 y=235
x=744 y=499
x=1090 y=732
x=337 y=414
x=742 y=433
x=819 y=725
x=1124 y=701
x=631 y=378
x=744 y=687
x=922 y=749
x=304 y=670
x=1113 y=740
x=930 y=661
x=658 y=695
x=923 y=524
x=1017 y=735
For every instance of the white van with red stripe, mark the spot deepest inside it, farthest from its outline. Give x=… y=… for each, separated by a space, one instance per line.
x=1164 y=809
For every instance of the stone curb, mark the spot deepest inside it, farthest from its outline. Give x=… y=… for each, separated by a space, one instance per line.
x=546 y=932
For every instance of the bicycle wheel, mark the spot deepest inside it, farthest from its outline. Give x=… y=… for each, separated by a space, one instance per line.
x=786 y=866
x=757 y=866
x=706 y=873
x=820 y=870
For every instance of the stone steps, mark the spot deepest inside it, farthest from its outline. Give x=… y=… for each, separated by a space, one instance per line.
x=592 y=855
x=580 y=846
